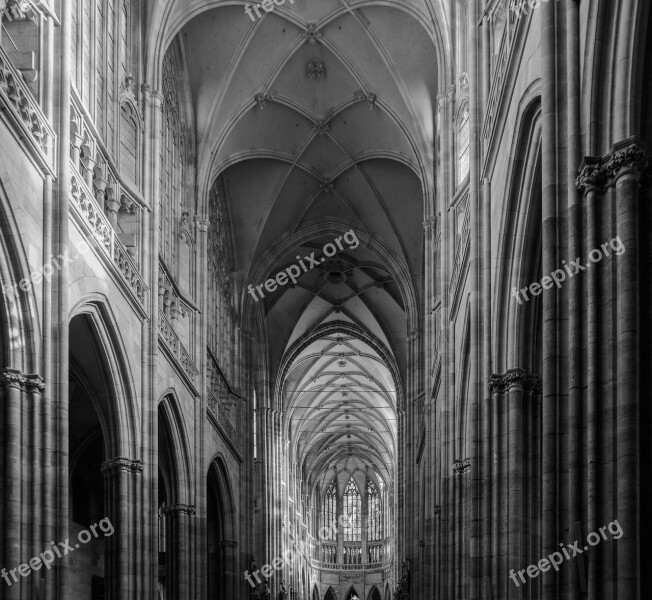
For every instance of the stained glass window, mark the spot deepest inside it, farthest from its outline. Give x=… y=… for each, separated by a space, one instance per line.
x=329 y=513
x=352 y=511
x=375 y=513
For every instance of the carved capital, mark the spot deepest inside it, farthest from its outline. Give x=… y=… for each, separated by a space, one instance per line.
x=179 y=509
x=12 y=378
x=229 y=544
x=461 y=466
x=114 y=465
x=626 y=157
x=34 y=383
x=518 y=377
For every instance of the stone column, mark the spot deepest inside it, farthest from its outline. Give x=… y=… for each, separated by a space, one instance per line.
x=627 y=163
x=121 y=477
x=179 y=541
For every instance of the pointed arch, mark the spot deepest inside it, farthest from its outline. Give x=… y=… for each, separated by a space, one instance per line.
x=520 y=251
x=330 y=594
x=174 y=449
x=19 y=319
x=221 y=531
x=352 y=594
x=374 y=593
x=114 y=396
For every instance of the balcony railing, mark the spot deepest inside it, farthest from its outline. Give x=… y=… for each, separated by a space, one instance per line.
x=317 y=564
x=94 y=220
x=19 y=103
x=175 y=347
x=223 y=421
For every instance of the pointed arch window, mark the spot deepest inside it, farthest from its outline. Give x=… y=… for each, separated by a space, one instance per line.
x=352 y=511
x=329 y=512
x=375 y=516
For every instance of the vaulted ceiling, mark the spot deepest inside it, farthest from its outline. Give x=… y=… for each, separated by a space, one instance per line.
x=320 y=119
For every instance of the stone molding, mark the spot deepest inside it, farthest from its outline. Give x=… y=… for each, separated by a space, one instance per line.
x=179 y=509
x=626 y=156
x=517 y=376
x=110 y=467
x=22 y=381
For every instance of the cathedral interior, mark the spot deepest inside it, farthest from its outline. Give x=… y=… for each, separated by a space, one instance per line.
x=325 y=299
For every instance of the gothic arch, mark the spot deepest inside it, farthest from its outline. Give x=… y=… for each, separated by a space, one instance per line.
x=173 y=435
x=374 y=593
x=521 y=227
x=330 y=594
x=93 y=320
x=18 y=313
x=221 y=531
x=352 y=594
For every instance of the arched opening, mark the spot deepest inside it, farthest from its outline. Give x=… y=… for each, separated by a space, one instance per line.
x=221 y=546
x=330 y=594
x=352 y=595
x=91 y=396
x=315 y=593
x=174 y=511
x=374 y=594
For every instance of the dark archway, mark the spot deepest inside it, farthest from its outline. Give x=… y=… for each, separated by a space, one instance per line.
x=353 y=594
x=330 y=594
x=175 y=511
x=220 y=532
x=374 y=594
x=91 y=401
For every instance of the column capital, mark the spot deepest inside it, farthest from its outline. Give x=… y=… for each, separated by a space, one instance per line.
x=462 y=466
x=22 y=381
x=114 y=465
x=179 y=509
x=628 y=157
x=519 y=377
x=229 y=544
